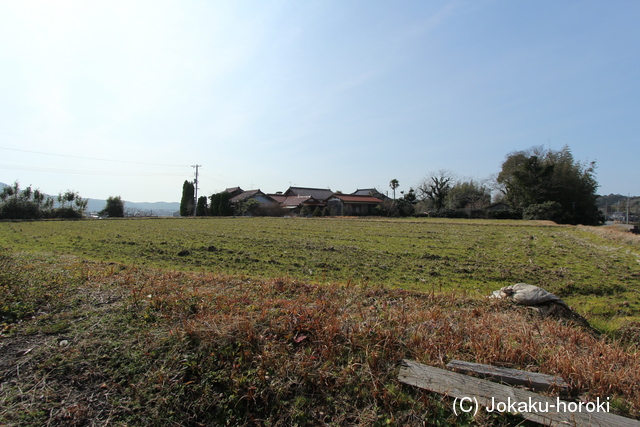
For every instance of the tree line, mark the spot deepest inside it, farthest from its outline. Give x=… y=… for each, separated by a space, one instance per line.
x=16 y=203
x=536 y=183
x=532 y=184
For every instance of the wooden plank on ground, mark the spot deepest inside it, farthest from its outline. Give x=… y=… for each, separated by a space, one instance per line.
x=533 y=380
x=544 y=410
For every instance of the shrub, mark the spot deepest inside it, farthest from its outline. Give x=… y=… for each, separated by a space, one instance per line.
x=32 y=204
x=551 y=211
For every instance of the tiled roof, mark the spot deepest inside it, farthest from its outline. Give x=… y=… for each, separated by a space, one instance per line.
x=353 y=198
x=245 y=195
x=365 y=191
x=234 y=191
x=280 y=198
x=370 y=192
x=317 y=193
x=294 y=201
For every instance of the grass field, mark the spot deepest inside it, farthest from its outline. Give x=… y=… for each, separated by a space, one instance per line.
x=599 y=276
x=273 y=321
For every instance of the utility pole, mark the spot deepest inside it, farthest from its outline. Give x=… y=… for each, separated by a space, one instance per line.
x=195 y=186
x=628 y=200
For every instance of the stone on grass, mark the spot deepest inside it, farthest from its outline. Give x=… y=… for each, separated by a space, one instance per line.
x=540 y=300
x=525 y=294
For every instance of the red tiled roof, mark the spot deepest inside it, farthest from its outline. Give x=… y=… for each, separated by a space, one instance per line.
x=353 y=198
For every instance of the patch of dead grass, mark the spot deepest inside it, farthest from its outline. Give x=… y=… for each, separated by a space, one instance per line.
x=171 y=348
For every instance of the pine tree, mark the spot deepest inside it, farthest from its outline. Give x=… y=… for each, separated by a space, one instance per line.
x=201 y=208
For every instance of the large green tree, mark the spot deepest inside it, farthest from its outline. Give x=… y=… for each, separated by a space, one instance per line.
x=220 y=204
x=547 y=184
x=187 y=203
x=114 y=207
x=214 y=206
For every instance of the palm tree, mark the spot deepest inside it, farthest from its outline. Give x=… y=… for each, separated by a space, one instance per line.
x=394 y=184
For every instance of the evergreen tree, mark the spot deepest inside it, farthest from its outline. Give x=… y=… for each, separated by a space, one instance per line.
x=405 y=206
x=187 y=202
x=551 y=185
x=214 y=206
x=201 y=208
x=223 y=204
x=114 y=207
x=220 y=204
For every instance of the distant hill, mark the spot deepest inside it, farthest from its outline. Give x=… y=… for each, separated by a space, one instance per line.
x=138 y=208
x=141 y=208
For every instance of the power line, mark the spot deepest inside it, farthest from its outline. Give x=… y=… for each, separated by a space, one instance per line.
x=86 y=172
x=92 y=158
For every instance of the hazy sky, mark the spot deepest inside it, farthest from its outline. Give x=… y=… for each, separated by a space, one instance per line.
x=121 y=97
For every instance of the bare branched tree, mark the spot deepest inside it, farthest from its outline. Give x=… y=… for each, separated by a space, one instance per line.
x=436 y=186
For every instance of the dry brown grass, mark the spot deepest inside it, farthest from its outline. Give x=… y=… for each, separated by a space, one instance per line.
x=196 y=349
x=620 y=234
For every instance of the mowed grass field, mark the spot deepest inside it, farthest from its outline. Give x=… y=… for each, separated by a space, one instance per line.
x=295 y=322
x=599 y=277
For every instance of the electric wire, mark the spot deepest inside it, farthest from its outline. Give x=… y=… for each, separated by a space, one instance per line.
x=88 y=172
x=92 y=158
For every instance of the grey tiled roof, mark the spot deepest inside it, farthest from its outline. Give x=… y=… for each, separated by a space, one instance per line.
x=316 y=193
x=245 y=195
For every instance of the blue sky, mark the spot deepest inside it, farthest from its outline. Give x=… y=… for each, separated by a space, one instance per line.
x=121 y=97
